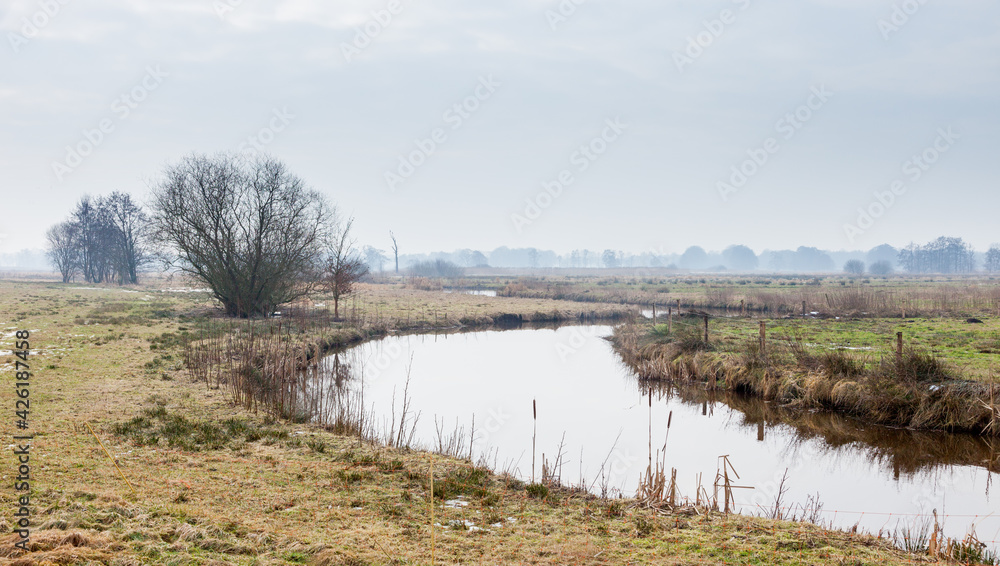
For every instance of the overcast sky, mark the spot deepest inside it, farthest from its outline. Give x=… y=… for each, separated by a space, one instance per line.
x=645 y=109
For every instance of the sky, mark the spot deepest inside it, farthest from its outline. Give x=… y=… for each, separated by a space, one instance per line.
x=645 y=126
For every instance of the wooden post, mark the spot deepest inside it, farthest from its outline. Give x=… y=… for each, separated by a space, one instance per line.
x=673 y=487
x=654 y=314
x=678 y=307
x=763 y=337
x=432 y=509
x=706 y=329
x=899 y=351
x=534 y=433
x=803 y=309
x=670 y=319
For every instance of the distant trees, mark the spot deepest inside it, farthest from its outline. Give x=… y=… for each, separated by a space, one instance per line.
x=992 y=264
x=881 y=267
x=105 y=240
x=63 y=251
x=478 y=259
x=436 y=268
x=809 y=259
x=854 y=267
x=943 y=255
x=473 y=258
x=343 y=266
x=375 y=258
x=740 y=258
x=610 y=259
x=694 y=257
x=884 y=252
x=245 y=226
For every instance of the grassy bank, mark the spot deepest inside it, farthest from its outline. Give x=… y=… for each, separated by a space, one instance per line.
x=216 y=484
x=915 y=390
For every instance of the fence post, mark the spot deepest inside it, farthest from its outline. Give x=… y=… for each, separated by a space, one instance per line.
x=654 y=314
x=706 y=329
x=803 y=309
x=670 y=319
x=678 y=307
x=763 y=337
x=899 y=351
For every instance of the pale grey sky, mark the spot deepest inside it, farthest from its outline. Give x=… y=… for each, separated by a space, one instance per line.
x=644 y=127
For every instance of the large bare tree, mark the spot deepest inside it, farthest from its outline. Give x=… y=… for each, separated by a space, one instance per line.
x=245 y=226
x=344 y=265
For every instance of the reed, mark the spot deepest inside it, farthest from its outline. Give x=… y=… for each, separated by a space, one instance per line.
x=916 y=390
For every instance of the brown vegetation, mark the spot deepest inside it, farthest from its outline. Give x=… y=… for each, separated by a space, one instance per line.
x=917 y=391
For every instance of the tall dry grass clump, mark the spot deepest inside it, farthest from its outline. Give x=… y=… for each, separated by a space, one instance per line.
x=917 y=390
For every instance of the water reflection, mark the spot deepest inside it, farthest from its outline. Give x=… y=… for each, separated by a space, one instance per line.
x=903 y=451
x=864 y=474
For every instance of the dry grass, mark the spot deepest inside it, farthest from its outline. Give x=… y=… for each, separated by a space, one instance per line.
x=919 y=391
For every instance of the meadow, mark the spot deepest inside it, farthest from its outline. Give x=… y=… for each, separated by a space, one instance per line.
x=218 y=483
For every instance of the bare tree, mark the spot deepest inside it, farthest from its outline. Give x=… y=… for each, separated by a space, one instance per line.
x=992 y=264
x=104 y=240
x=63 y=250
x=95 y=239
x=375 y=258
x=881 y=267
x=245 y=226
x=130 y=223
x=943 y=255
x=610 y=259
x=395 y=250
x=854 y=267
x=344 y=266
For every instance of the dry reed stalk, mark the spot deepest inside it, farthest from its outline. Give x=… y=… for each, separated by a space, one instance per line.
x=113 y=461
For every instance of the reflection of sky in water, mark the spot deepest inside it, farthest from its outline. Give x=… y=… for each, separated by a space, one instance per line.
x=583 y=391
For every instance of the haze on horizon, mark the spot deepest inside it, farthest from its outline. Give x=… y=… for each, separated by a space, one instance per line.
x=641 y=115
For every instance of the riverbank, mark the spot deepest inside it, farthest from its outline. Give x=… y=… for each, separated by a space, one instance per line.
x=914 y=390
x=114 y=360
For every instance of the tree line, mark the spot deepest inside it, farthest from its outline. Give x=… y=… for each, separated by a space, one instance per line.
x=259 y=237
x=248 y=228
x=104 y=240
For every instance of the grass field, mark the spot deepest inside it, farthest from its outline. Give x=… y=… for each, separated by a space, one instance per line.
x=215 y=484
x=771 y=294
x=972 y=349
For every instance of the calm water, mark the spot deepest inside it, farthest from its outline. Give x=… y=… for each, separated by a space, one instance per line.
x=479 y=292
x=874 y=476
